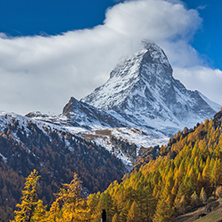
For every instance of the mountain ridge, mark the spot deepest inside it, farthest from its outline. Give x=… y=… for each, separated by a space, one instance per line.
x=143 y=91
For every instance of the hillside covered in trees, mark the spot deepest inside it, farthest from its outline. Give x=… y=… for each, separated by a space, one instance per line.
x=55 y=153
x=187 y=174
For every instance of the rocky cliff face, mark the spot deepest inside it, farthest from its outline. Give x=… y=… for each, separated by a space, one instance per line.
x=143 y=92
x=83 y=115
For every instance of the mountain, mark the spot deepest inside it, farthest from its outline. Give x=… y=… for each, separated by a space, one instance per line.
x=79 y=115
x=130 y=116
x=103 y=129
x=183 y=184
x=142 y=93
x=87 y=116
x=139 y=107
x=56 y=153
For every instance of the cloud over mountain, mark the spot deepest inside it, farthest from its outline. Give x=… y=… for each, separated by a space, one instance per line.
x=42 y=72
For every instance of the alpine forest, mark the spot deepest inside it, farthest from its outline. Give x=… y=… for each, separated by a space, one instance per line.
x=186 y=176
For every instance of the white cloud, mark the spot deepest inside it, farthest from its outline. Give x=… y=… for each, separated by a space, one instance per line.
x=41 y=73
x=206 y=80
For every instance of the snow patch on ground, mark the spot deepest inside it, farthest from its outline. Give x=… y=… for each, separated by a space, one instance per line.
x=4 y=158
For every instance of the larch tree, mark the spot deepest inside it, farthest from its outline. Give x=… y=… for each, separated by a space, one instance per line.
x=115 y=218
x=194 y=199
x=133 y=215
x=219 y=192
x=164 y=212
x=40 y=212
x=203 y=196
x=29 y=199
x=74 y=207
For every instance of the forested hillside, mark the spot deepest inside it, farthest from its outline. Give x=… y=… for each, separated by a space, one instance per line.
x=56 y=154
x=187 y=174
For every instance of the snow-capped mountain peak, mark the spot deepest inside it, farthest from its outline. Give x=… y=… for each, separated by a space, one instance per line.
x=140 y=67
x=143 y=92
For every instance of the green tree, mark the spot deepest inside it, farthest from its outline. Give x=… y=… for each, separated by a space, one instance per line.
x=29 y=199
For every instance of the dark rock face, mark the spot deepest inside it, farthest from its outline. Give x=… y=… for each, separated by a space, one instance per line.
x=36 y=114
x=82 y=114
x=217 y=121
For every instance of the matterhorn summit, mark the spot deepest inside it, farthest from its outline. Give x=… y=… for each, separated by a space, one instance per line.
x=142 y=92
x=135 y=111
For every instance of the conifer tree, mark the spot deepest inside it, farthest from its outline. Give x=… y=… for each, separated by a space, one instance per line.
x=74 y=207
x=29 y=199
x=115 y=218
x=123 y=214
x=40 y=211
x=133 y=215
x=53 y=214
x=203 y=196
x=182 y=204
x=108 y=205
x=164 y=212
x=216 y=173
x=219 y=191
x=194 y=199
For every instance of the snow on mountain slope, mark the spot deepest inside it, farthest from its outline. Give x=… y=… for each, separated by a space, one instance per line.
x=112 y=139
x=125 y=143
x=212 y=104
x=142 y=92
x=87 y=116
x=87 y=122
x=79 y=116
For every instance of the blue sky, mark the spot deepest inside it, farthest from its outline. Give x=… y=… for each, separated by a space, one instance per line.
x=51 y=50
x=25 y=17
x=42 y=17
x=207 y=41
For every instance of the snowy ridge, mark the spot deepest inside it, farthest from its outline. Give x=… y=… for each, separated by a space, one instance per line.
x=83 y=115
x=52 y=123
x=212 y=104
x=115 y=91
x=111 y=139
x=142 y=93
